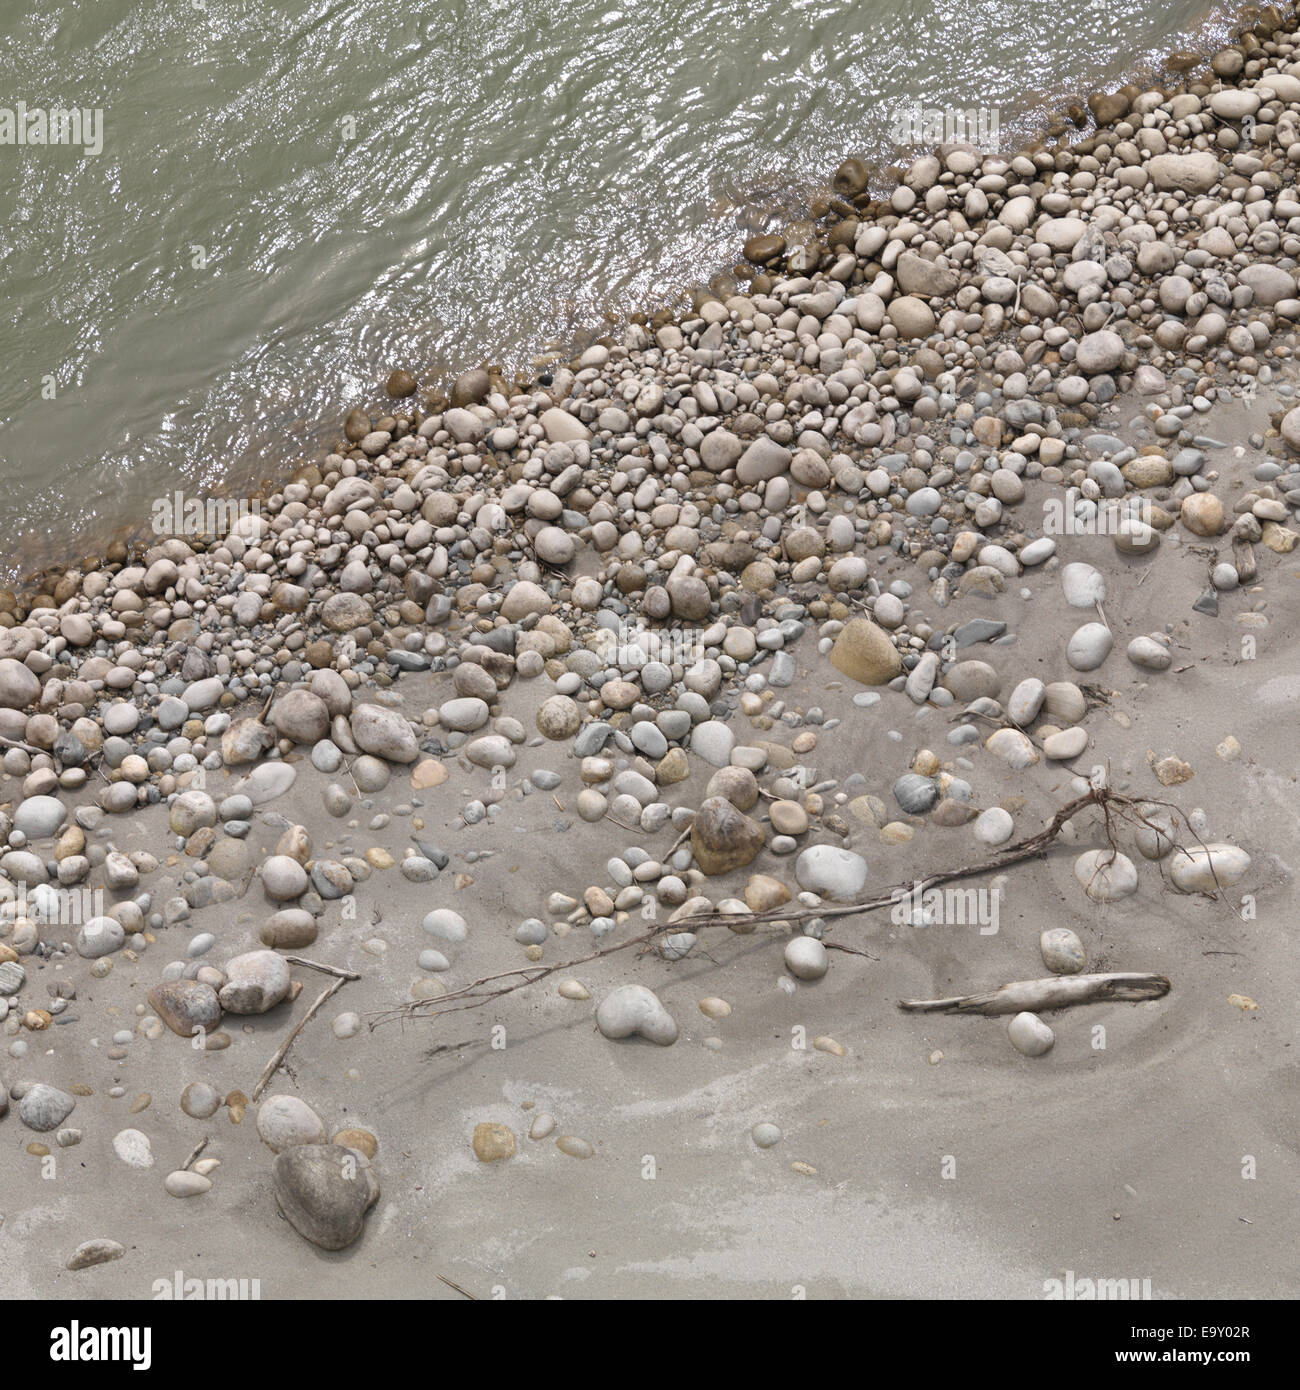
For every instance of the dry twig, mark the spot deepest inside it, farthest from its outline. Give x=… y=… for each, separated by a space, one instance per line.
x=1114 y=806
x=341 y=977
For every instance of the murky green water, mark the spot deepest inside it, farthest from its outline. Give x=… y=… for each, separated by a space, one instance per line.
x=291 y=200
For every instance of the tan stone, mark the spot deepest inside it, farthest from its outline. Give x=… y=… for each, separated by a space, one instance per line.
x=429 y=772
x=763 y=892
x=724 y=838
x=673 y=767
x=864 y=652
x=493 y=1142
x=1202 y=514
x=360 y=1139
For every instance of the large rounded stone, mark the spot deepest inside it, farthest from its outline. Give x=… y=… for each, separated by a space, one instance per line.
x=1207 y=868
x=470 y=387
x=554 y=546
x=493 y=1142
x=689 y=596
x=191 y=811
x=301 y=716
x=1187 y=173
x=1100 y=352
x=44 y=1108
x=1106 y=875
x=972 y=680
x=724 y=838
x=763 y=459
x=187 y=1007
x=19 y=686
x=283 y=879
x=324 y=1192
x=100 y=936
x=832 y=872
x=1202 y=514
x=255 y=982
x=806 y=958
x=342 y=612
x=1030 y=1035
x=558 y=717
x=290 y=929
x=283 y=1121
x=864 y=652
x=912 y=316
x=39 y=817
x=635 y=1011
x=385 y=733
x=1089 y=646
x=1062 y=951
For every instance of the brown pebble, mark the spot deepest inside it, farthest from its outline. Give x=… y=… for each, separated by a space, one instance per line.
x=360 y=1139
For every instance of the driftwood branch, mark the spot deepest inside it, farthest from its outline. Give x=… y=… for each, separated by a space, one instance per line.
x=195 y=1152
x=1039 y=996
x=341 y=977
x=1112 y=804
x=324 y=969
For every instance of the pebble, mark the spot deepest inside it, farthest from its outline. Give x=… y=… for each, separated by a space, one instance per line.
x=994 y=826
x=1089 y=646
x=723 y=838
x=200 y=1101
x=1062 y=951
x=95 y=1252
x=1065 y=744
x=44 y=1107
x=806 y=958
x=573 y=1146
x=1208 y=868
x=1149 y=654
x=493 y=1142
x=765 y=1134
x=133 y=1148
x=731 y=474
x=446 y=925
x=255 y=982
x=1106 y=875
x=635 y=1011
x=187 y=1007
x=1030 y=1035
x=186 y=1184
x=284 y=1121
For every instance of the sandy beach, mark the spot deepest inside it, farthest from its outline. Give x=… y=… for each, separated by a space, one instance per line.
x=371 y=727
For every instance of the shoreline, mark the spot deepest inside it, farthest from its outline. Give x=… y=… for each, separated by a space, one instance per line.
x=126 y=537
x=704 y=644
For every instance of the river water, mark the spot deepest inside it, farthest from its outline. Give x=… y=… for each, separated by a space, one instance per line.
x=290 y=201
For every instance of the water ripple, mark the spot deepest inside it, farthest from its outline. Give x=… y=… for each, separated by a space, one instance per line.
x=292 y=200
